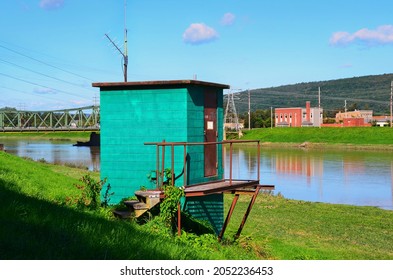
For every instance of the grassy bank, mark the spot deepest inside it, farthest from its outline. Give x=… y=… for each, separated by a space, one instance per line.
x=290 y=229
x=359 y=136
x=38 y=224
x=48 y=135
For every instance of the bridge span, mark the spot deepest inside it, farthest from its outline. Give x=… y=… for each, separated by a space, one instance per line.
x=75 y=119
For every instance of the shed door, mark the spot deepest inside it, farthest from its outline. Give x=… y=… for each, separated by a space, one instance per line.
x=210 y=151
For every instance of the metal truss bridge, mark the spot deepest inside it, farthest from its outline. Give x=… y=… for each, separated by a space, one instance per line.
x=76 y=119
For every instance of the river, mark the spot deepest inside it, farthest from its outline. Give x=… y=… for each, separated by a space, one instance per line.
x=353 y=177
x=54 y=151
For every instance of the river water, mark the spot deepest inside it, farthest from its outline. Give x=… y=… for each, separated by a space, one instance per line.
x=58 y=152
x=362 y=178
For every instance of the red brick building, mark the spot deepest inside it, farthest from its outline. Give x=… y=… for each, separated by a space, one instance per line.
x=297 y=117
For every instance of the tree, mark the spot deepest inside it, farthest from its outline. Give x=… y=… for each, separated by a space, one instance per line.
x=258 y=119
x=8 y=109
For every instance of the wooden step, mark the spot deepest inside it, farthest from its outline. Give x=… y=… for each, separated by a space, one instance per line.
x=146 y=201
x=150 y=198
x=151 y=193
x=266 y=187
x=123 y=214
x=136 y=205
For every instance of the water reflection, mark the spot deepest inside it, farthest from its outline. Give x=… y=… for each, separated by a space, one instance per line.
x=345 y=177
x=58 y=152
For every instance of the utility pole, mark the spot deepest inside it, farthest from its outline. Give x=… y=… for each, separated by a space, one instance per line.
x=391 y=103
x=319 y=107
x=95 y=100
x=249 y=111
x=271 y=117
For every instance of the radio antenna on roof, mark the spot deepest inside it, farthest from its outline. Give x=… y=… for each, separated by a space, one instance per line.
x=125 y=53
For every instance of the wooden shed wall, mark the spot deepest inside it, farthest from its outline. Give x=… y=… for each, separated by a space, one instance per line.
x=129 y=118
x=132 y=117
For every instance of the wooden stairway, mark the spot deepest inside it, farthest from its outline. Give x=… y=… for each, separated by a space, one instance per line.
x=146 y=200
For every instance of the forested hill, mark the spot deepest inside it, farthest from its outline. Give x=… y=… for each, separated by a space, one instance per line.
x=362 y=93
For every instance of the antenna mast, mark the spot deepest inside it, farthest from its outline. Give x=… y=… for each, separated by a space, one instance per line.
x=125 y=42
x=125 y=53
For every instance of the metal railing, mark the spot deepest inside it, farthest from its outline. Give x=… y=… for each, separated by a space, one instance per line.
x=160 y=172
x=84 y=118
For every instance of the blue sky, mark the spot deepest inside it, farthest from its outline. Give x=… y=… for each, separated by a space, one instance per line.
x=52 y=50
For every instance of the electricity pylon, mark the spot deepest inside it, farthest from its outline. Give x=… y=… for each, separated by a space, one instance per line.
x=231 y=118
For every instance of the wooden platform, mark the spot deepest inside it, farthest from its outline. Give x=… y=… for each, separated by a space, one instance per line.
x=224 y=186
x=236 y=187
x=148 y=199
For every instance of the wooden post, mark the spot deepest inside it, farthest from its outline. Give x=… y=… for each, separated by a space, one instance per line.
x=172 y=165
x=230 y=163
x=163 y=161
x=259 y=161
x=158 y=167
x=178 y=219
x=185 y=166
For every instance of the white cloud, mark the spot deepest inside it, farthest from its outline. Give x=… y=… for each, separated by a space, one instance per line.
x=381 y=35
x=199 y=33
x=51 y=4
x=228 y=19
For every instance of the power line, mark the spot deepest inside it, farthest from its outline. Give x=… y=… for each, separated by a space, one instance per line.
x=35 y=84
x=45 y=63
x=23 y=92
x=276 y=94
x=45 y=75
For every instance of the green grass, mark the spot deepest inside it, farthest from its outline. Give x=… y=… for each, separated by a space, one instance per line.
x=325 y=135
x=288 y=229
x=36 y=223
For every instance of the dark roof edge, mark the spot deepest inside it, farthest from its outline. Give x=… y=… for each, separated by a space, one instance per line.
x=158 y=83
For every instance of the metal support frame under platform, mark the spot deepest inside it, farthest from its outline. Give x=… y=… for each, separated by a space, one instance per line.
x=236 y=187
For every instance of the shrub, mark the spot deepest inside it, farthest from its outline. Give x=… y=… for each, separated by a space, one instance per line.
x=90 y=195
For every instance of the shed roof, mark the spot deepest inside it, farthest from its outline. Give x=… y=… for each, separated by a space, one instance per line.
x=158 y=84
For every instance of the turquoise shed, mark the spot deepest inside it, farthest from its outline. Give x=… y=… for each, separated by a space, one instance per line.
x=136 y=113
x=150 y=127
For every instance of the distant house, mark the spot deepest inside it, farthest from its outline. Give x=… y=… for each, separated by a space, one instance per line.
x=367 y=115
x=234 y=126
x=298 y=117
x=350 y=122
x=381 y=120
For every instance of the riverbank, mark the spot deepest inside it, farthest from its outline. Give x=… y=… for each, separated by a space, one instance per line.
x=36 y=217
x=39 y=222
x=48 y=135
x=364 y=138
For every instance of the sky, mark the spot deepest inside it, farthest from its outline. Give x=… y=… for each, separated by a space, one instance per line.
x=51 y=51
